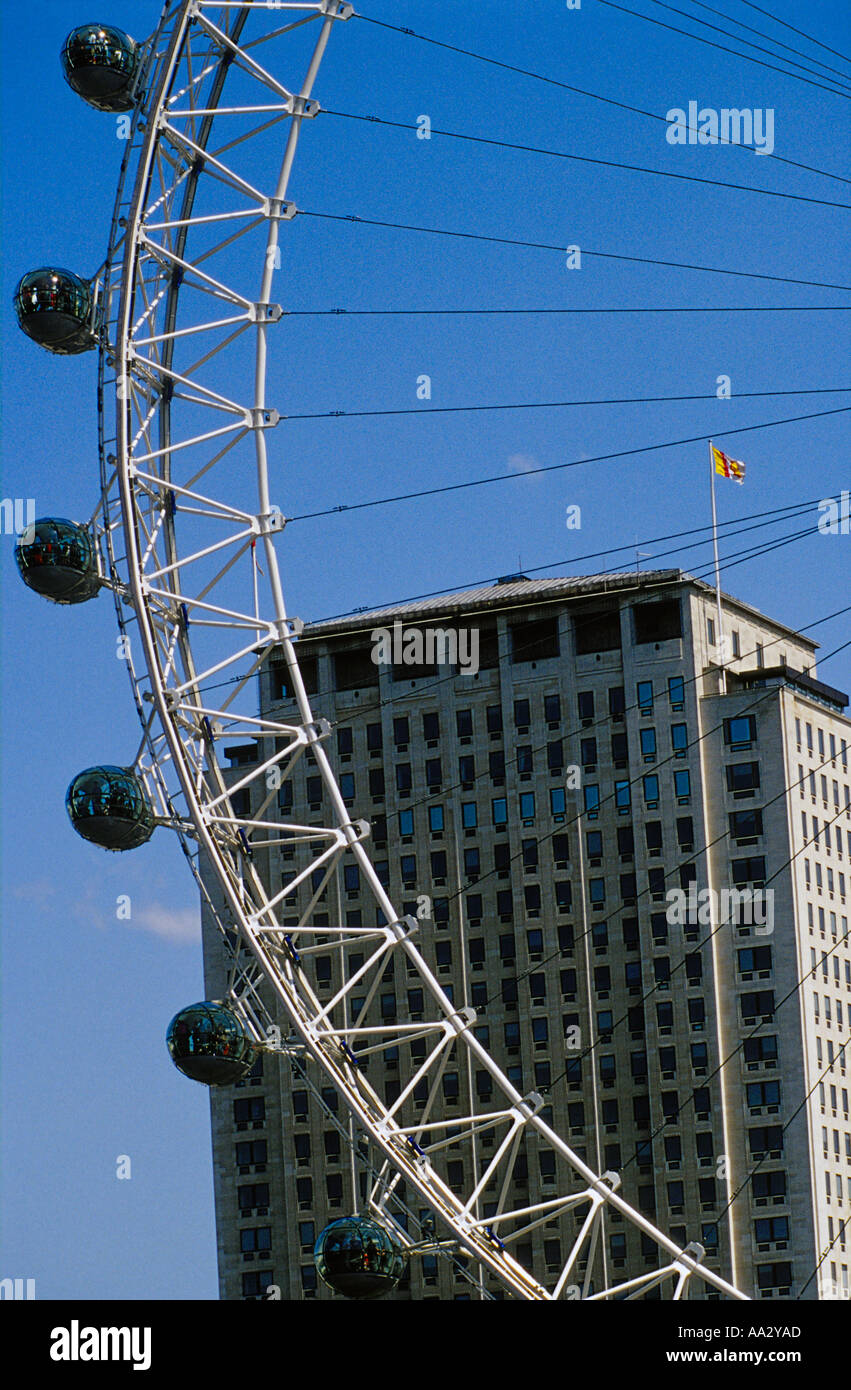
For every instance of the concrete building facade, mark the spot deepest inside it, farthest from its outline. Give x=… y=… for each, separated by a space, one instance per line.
x=626 y=860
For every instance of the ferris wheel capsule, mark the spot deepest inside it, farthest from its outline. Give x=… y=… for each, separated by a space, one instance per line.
x=207 y=1043
x=100 y=64
x=358 y=1258
x=56 y=558
x=108 y=806
x=54 y=308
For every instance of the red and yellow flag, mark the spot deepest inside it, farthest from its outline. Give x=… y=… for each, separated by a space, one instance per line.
x=727 y=467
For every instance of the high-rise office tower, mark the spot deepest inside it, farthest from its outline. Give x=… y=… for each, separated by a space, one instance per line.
x=632 y=859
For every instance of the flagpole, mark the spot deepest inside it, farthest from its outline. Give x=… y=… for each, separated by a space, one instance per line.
x=720 y=634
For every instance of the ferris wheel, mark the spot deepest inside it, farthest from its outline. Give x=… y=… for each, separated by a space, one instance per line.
x=187 y=535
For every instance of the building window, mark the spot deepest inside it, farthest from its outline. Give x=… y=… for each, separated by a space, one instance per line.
x=438 y=864
x=597 y=632
x=534 y=641
x=651 y=789
x=464 y=723
x=585 y=702
x=532 y=898
x=754 y=958
x=740 y=732
x=256 y=1282
x=597 y=890
x=694 y=969
x=758 y=1004
x=648 y=745
x=252 y=1154
x=750 y=870
x=602 y=979
x=588 y=752
x=761 y=1093
x=522 y=714
x=255 y=1238
x=745 y=825
x=535 y=945
x=742 y=777
x=504 y=902
x=564 y=894
x=696 y=1013
x=774 y=1277
x=431 y=726
x=620 y=749
x=252 y=1196
x=249 y=1110
x=676 y=691
x=552 y=709
x=653 y=834
x=761 y=1049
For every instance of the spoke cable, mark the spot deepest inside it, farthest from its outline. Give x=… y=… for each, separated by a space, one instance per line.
x=558 y=467
x=585 y=159
x=711 y=9
x=710 y=43
x=800 y=32
x=551 y=246
x=580 y=91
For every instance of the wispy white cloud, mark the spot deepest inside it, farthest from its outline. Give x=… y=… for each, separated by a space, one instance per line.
x=179 y=925
x=523 y=463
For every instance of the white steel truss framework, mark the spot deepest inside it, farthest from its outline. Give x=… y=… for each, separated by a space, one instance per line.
x=189 y=529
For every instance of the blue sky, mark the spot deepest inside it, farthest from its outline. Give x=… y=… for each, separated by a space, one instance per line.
x=87 y=997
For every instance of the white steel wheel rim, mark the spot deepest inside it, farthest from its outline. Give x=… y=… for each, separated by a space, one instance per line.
x=146 y=499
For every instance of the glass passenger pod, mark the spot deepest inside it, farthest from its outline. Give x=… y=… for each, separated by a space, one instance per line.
x=359 y=1258
x=207 y=1043
x=54 y=308
x=108 y=806
x=56 y=558
x=100 y=63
